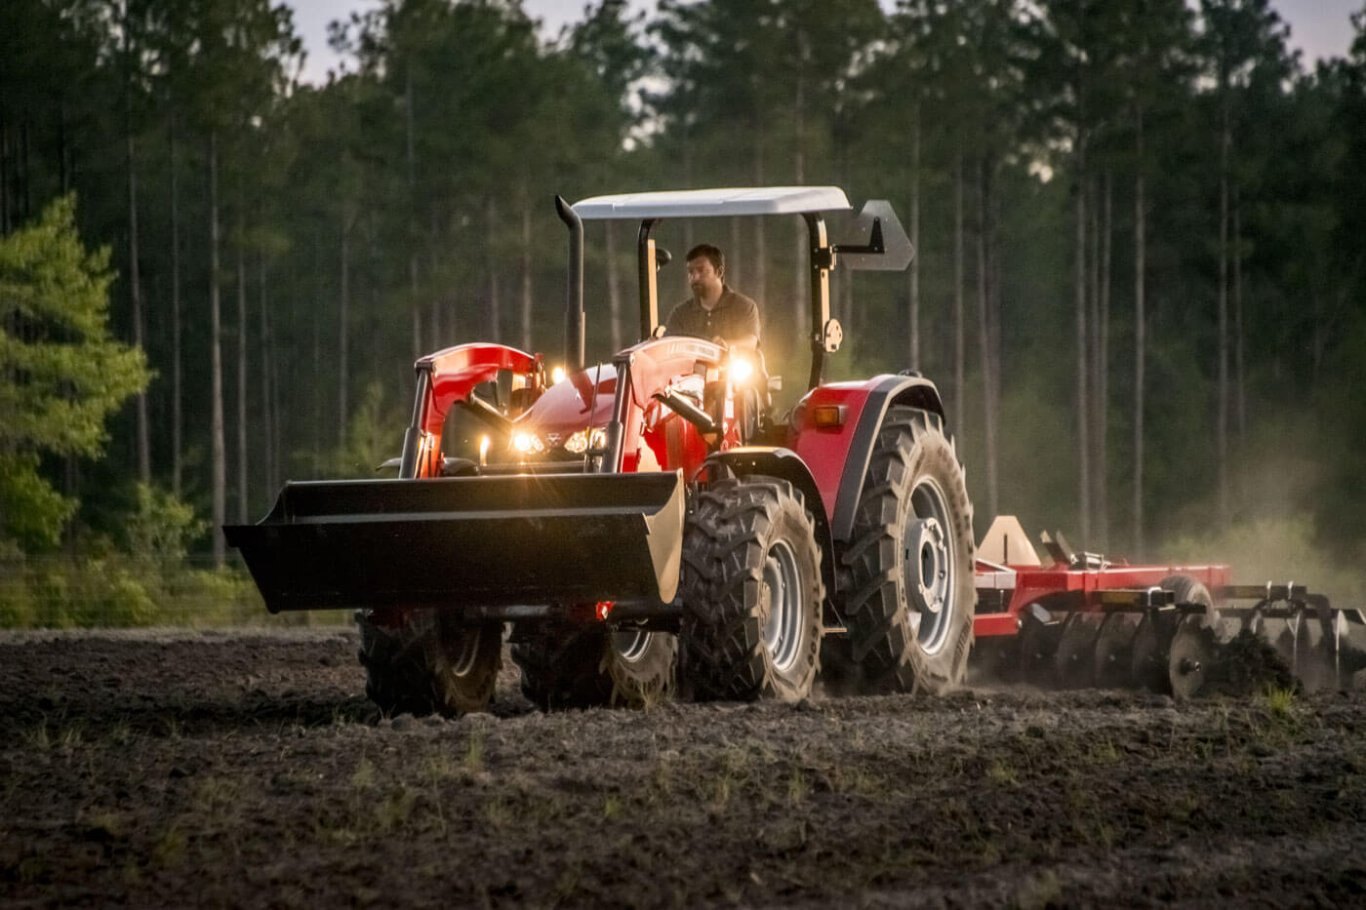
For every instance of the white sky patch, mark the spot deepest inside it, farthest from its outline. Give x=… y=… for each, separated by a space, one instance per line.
x=1318 y=28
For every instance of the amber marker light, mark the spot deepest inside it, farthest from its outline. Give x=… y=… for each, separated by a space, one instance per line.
x=828 y=416
x=483 y=450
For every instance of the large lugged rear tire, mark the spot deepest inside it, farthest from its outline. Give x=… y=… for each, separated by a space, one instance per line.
x=910 y=561
x=592 y=666
x=752 y=592
x=428 y=663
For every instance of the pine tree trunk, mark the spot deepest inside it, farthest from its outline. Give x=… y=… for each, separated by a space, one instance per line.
x=5 y=202
x=959 y=340
x=1083 y=397
x=177 y=405
x=439 y=330
x=613 y=287
x=759 y=289
x=243 y=488
x=268 y=445
x=1221 y=429
x=344 y=331
x=1140 y=335
x=491 y=269
x=984 y=339
x=1103 y=370
x=219 y=456
x=144 y=455
x=412 y=215
x=144 y=445
x=1239 y=377
x=801 y=287
x=915 y=240
x=526 y=278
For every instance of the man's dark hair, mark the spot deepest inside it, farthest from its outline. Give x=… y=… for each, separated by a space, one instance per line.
x=713 y=255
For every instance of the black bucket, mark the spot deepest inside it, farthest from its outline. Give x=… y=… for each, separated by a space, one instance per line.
x=468 y=541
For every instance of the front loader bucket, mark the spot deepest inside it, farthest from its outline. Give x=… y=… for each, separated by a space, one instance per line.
x=468 y=541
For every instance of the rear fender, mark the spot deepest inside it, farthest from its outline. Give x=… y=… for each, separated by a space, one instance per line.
x=784 y=464
x=838 y=457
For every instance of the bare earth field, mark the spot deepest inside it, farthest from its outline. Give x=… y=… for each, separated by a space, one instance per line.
x=246 y=768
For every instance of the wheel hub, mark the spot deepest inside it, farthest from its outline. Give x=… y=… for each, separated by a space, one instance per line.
x=927 y=562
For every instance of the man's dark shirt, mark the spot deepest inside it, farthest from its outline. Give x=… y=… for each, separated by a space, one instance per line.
x=734 y=316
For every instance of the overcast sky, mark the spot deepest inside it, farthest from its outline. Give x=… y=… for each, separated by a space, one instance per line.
x=1319 y=28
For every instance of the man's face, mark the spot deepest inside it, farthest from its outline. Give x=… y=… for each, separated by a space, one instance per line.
x=703 y=278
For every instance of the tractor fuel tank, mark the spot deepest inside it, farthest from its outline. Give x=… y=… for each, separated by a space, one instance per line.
x=468 y=541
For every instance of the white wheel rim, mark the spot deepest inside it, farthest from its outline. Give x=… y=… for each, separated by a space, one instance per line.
x=631 y=645
x=467 y=654
x=928 y=565
x=783 y=593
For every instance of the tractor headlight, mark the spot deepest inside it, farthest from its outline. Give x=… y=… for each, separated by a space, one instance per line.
x=557 y=376
x=524 y=443
x=741 y=369
x=584 y=440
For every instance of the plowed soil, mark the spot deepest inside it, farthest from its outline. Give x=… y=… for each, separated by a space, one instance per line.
x=247 y=769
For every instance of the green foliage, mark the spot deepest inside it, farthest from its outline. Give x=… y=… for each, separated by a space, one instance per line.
x=61 y=373
x=374 y=433
x=162 y=527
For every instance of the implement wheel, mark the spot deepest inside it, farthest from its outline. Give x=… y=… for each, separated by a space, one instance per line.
x=910 y=560
x=752 y=592
x=426 y=662
x=592 y=666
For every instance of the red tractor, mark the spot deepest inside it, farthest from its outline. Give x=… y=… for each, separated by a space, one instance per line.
x=649 y=522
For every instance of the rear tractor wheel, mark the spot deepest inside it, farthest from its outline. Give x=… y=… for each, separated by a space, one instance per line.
x=426 y=662
x=752 y=592
x=911 y=594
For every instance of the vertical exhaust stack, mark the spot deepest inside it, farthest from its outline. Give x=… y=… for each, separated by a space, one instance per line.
x=574 y=346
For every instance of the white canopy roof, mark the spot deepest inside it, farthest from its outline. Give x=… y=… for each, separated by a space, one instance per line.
x=721 y=202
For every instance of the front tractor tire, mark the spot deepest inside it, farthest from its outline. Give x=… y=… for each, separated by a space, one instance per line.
x=592 y=666
x=910 y=589
x=426 y=662
x=752 y=592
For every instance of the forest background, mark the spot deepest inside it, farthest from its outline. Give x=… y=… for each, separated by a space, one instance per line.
x=1140 y=280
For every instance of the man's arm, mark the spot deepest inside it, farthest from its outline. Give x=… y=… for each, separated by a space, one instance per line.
x=746 y=329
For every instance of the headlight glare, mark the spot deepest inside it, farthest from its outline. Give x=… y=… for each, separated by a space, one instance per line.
x=584 y=440
x=524 y=443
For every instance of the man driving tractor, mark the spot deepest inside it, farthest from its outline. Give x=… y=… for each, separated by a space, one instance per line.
x=714 y=311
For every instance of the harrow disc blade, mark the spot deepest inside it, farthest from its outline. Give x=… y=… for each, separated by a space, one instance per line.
x=1149 y=655
x=1189 y=658
x=1113 y=649
x=1074 y=661
x=1038 y=645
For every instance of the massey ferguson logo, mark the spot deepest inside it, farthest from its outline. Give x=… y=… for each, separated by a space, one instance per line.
x=552 y=439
